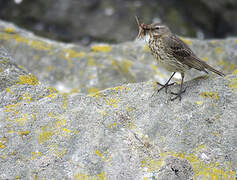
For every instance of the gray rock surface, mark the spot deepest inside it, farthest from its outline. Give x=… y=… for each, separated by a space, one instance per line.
x=69 y=67
x=125 y=132
x=113 y=21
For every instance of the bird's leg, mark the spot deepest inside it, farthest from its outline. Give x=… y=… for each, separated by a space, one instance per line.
x=181 y=91
x=166 y=85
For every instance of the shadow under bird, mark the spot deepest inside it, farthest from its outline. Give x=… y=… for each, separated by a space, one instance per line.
x=171 y=53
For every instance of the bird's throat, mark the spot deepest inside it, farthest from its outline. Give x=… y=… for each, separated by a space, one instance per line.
x=147 y=37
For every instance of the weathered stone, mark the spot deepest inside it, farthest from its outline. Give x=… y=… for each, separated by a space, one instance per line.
x=125 y=132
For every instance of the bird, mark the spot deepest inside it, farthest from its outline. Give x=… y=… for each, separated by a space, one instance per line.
x=171 y=53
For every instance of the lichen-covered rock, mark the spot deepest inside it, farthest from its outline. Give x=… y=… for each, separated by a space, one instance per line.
x=69 y=67
x=125 y=132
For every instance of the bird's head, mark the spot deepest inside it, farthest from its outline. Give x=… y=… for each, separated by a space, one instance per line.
x=155 y=30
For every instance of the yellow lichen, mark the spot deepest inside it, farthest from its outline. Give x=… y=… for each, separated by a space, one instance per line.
x=199 y=103
x=112 y=102
x=233 y=83
x=126 y=64
x=117 y=88
x=66 y=130
x=35 y=155
x=26 y=98
x=28 y=79
x=213 y=42
x=69 y=53
x=74 y=90
x=227 y=66
x=93 y=90
x=19 y=66
x=8 y=30
x=97 y=94
x=186 y=41
x=100 y=48
x=101 y=176
x=213 y=95
x=152 y=164
x=52 y=92
x=64 y=103
x=2 y=145
x=112 y=125
x=20 y=39
x=22 y=120
x=201 y=170
x=9 y=91
x=102 y=112
x=45 y=134
x=129 y=109
x=40 y=45
x=23 y=133
x=104 y=156
x=12 y=108
x=234 y=72
x=123 y=67
x=73 y=54
x=219 y=50
x=59 y=152
x=60 y=122
x=82 y=176
x=36 y=44
x=146 y=48
x=91 y=62
x=205 y=58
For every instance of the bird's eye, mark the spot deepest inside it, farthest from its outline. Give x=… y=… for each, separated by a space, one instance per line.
x=157 y=27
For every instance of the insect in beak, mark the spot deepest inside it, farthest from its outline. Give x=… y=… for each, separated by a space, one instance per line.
x=140 y=29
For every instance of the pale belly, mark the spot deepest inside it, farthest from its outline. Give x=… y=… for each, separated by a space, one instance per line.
x=168 y=61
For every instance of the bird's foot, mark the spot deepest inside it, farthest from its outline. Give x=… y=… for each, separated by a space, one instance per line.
x=166 y=85
x=178 y=95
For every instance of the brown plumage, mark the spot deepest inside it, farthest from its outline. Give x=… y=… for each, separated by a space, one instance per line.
x=172 y=53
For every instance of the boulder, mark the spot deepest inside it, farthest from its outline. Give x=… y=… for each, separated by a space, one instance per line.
x=123 y=132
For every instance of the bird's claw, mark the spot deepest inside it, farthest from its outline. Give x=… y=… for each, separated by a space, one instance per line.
x=178 y=95
x=166 y=85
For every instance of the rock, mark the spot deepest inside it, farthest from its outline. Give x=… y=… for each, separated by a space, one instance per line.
x=175 y=168
x=69 y=67
x=125 y=132
x=113 y=21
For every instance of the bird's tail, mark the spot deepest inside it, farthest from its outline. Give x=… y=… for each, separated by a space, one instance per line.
x=213 y=70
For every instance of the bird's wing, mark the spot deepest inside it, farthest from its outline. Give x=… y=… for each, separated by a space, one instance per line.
x=182 y=52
